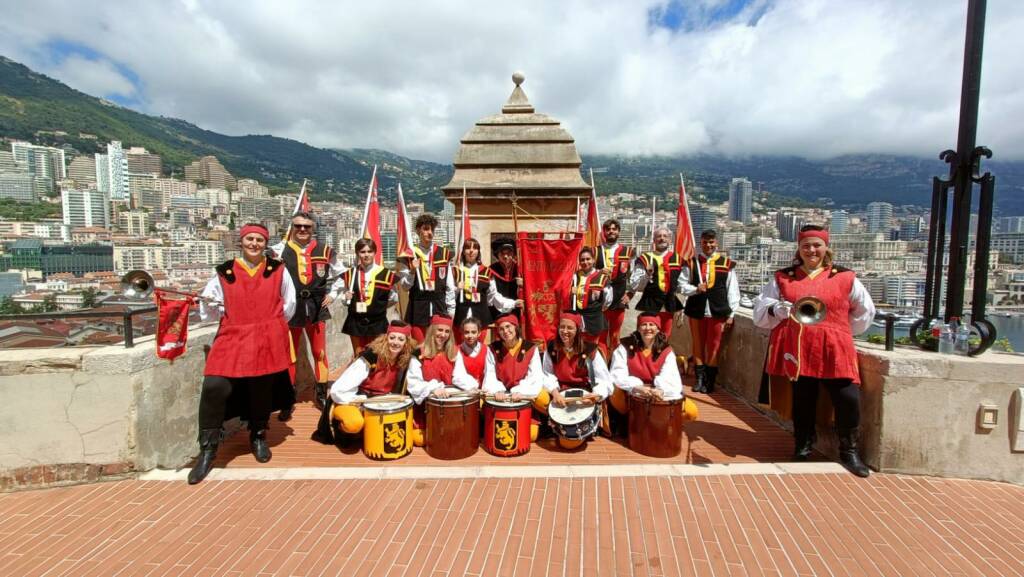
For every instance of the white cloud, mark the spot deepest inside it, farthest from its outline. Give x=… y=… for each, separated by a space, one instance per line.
x=812 y=77
x=95 y=77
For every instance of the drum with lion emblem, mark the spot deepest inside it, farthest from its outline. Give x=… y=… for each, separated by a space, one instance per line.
x=388 y=431
x=507 y=427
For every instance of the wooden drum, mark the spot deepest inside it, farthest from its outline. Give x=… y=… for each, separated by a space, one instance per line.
x=453 y=427
x=656 y=426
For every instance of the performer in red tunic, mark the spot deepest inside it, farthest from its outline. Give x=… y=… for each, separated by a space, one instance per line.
x=656 y=277
x=822 y=354
x=712 y=297
x=369 y=290
x=645 y=365
x=430 y=370
x=428 y=278
x=246 y=371
x=476 y=295
x=475 y=362
x=517 y=366
x=589 y=295
x=617 y=262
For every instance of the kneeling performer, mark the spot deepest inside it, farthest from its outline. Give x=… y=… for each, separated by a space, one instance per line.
x=578 y=382
x=645 y=366
x=246 y=371
x=517 y=367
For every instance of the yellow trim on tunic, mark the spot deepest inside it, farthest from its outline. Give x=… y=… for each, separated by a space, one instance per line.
x=253 y=271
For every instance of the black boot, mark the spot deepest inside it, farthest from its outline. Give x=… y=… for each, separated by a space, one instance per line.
x=320 y=395
x=286 y=414
x=701 y=373
x=848 y=456
x=803 y=444
x=208 y=441
x=258 y=442
x=710 y=373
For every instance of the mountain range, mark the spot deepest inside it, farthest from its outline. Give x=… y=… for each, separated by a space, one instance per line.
x=40 y=109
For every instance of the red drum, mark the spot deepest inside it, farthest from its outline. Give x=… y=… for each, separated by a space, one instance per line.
x=453 y=426
x=507 y=427
x=656 y=427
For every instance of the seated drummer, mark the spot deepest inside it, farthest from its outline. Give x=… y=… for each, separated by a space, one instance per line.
x=430 y=370
x=378 y=370
x=570 y=362
x=644 y=365
x=517 y=367
x=475 y=362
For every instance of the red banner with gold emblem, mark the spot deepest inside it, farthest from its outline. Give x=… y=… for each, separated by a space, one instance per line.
x=547 y=266
x=172 y=324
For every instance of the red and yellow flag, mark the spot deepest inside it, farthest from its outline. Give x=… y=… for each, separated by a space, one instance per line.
x=403 y=246
x=371 y=218
x=686 y=245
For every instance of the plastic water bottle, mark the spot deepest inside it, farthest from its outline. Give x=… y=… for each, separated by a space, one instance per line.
x=963 y=336
x=947 y=337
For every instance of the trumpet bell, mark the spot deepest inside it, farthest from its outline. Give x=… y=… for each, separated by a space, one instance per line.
x=809 y=311
x=137 y=284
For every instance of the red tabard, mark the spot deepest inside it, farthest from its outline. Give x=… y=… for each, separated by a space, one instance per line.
x=510 y=370
x=253 y=336
x=476 y=366
x=570 y=374
x=439 y=368
x=826 y=349
x=646 y=368
x=380 y=382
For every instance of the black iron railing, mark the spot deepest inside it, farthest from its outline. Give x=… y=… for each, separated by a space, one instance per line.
x=126 y=319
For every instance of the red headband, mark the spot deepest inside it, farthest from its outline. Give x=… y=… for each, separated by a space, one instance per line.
x=577 y=319
x=507 y=319
x=406 y=330
x=255 y=228
x=646 y=317
x=822 y=234
x=441 y=320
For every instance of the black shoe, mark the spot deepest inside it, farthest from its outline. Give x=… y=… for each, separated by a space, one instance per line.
x=803 y=447
x=710 y=374
x=320 y=395
x=286 y=414
x=208 y=441
x=701 y=385
x=258 y=443
x=848 y=456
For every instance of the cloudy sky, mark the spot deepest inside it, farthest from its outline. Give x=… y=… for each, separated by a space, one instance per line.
x=814 y=78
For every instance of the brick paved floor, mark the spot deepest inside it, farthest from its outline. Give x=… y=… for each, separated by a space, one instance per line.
x=728 y=431
x=827 y=524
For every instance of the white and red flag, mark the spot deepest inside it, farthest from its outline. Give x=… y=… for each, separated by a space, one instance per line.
x=593 y=234
x=686 y=245
x=465 y=228
x=403 y=246
x=301 y=205
x=371 y=218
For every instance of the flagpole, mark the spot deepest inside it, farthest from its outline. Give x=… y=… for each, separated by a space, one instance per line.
x=693 y=238
x=654 y=224
x=298 y=203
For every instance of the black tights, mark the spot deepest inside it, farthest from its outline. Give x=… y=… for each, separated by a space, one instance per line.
x=845 y=399
x=216 y=390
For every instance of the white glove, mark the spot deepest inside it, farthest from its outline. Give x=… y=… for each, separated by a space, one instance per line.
x=782 y=309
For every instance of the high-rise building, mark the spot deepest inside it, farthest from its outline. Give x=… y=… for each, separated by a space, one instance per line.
x=250 y=187
x=175 y=187
x=140 y=161
x=86 y=207
x=82 y=171
x=210 y=172
x=789 y=225
x=18 y=186
x=45 y=163
x=879 y=217
x=701 y=219
x=265 y=210
x=911 y=228
x=112 y=172
x=8 y=164
x=134 y=222
x=741 y=194
x=839 y=222
x=1009 y=224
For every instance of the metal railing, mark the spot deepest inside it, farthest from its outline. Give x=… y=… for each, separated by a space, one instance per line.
x=126 y=319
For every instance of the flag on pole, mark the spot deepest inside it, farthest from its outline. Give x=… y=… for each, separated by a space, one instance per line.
x=654 y=218
x=593 y=235
x=301 y=205
x=465 y=228
x=403 y=246
x=686 y=245
x=371 y=218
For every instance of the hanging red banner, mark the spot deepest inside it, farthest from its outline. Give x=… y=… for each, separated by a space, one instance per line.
x=172 y=325
x=547 y=267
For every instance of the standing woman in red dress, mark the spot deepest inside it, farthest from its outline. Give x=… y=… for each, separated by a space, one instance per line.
x=819 y=355
x=246 y=371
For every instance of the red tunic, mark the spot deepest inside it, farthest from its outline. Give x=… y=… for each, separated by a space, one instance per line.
x=253 y=336
x=569 y=370
x=380 y=382
x=824 y=350
x=646 y=367
x=512 y=369
x=439 y=368
x=475 y=366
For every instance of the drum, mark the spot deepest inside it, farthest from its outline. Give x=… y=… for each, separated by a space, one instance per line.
x=507 y=427
x=574 y=422
x=453 y=426
x=387 y=434
x=656 y=426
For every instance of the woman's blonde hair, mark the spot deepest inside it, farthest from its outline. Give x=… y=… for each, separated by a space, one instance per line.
x=379 y=346
x=428 y=349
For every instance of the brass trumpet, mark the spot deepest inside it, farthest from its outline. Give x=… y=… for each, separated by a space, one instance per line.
x=808 y=311
x=139 y=284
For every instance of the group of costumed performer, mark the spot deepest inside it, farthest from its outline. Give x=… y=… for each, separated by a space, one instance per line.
x=246 y=372
x=821 y=355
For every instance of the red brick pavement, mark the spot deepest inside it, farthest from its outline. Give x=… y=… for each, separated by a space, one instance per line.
x=763 y=525
x=728 y=431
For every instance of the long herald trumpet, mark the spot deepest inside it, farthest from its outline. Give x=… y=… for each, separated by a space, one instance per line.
x=140 y=284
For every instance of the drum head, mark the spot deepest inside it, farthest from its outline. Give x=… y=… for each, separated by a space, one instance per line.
x=507 y=404
x=461 y=398
x=570 y=414
x=387 y=406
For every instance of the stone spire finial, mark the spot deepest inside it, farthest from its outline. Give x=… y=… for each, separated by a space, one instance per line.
x=517 y=102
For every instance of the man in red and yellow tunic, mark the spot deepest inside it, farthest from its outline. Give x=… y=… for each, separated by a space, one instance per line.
x=656 y=277
x=616 y=261
x=246 y=371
